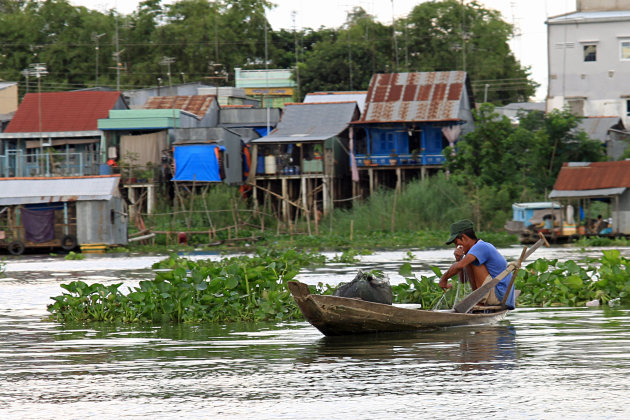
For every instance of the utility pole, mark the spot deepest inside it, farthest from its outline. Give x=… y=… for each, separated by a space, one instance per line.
x=25 y=73
x=267 y=78
x=167 y=61
x=394 y=32
x=464 y=36
x=38 y=70
x=349 y=57
x=117 y=54
x=95 y=38
x=297 y=69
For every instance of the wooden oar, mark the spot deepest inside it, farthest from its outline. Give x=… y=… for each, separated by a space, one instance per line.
x=472 y=299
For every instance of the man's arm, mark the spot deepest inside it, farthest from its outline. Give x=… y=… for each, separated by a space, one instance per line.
x=455 y=269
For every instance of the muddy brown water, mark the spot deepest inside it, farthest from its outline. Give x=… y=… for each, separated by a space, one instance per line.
x=569 y=363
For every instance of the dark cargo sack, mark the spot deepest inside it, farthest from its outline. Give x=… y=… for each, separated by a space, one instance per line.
x=367 y=286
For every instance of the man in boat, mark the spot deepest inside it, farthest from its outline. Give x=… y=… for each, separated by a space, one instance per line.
x=480 y=260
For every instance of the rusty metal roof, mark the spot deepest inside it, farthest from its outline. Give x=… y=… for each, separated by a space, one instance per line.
x=583 y=176
x=195 y=104
x=415 y=97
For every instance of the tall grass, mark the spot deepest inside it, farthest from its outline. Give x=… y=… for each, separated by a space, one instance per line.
x=429 y=204
x=214 y=209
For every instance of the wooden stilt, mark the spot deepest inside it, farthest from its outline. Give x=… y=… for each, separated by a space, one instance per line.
x=351 y=229
x=205 y=205
x=371 y=180
x=284 y=206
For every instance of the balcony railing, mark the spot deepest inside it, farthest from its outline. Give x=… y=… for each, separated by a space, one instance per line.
x=16 y=164
x=400 y=160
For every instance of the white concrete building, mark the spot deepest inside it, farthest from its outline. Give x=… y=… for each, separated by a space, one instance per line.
x=589 y=59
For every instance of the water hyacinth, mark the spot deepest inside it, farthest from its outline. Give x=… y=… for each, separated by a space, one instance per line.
x=245 y=288
x=253 y=288
x=553 y=283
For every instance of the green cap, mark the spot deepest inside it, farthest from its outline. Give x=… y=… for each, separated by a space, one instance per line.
x=457 y=228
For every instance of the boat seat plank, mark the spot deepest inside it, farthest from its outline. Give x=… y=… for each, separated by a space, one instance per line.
x=487 y=308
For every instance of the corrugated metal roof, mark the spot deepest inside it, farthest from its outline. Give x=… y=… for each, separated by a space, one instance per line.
x=246 y=134
x=593 y=176
x=62 y=111
x=4 y=85
x=50 y=134
x=139 y=119
x=311 y=122
x=204 y=135
x=597 y=127
x=195 y=104
x=415 y=97
x=249 y=117
x=15 y=191
x=525 y=106
x=320 y=97
x=537 y=205
x=604 y=192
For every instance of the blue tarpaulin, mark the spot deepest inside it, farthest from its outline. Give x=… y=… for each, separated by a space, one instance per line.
x=197 y=162
x=262 y=131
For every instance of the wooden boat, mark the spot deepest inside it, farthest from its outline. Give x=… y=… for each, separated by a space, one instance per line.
x=334 y=315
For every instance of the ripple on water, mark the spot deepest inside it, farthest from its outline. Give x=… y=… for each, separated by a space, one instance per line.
x=539 y=363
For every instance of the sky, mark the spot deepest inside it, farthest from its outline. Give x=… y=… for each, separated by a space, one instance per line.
x=528 y=16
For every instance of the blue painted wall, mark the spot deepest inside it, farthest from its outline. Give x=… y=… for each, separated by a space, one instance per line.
x=383 y=141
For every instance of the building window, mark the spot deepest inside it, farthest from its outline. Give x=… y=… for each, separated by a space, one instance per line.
x=627 y=107
x=590 y=52
x=576 y=106
x=624 y=50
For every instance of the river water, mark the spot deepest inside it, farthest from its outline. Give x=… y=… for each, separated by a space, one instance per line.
x=538 y=363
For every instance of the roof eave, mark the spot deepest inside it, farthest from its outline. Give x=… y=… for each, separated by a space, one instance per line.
x=451 y=120
x=602 y=192
x=52 y=134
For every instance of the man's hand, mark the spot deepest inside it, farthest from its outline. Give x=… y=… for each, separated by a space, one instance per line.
x=459 y=253
x=444 y=284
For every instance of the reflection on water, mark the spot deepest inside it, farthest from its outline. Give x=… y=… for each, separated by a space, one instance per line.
x=539 y=363
x=467 y=348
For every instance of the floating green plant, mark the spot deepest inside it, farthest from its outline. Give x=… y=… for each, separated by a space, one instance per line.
x=244 y=288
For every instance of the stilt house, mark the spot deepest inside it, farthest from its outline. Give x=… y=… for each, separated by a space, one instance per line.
x=56 y=134
x=302 y=166
x=409 y=119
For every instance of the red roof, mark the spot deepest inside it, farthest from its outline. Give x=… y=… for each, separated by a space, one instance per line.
x=195 y=104
x=62 y=111
x=593 y=176
x=415 y=97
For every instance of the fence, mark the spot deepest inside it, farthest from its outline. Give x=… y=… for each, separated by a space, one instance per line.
x=16 y=163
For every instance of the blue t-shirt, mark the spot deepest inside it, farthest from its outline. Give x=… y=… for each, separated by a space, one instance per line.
x=487 y=254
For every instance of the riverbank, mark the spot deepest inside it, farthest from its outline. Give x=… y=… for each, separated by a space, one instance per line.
x=358 y=243
x=324 y=242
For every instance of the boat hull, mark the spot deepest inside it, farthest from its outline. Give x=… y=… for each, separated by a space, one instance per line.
x=334 y=315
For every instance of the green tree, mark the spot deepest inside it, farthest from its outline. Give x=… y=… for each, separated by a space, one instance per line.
x=52 y=32
x=189 y=38
x=450 y=35
x=346 y=59
x=499 y=163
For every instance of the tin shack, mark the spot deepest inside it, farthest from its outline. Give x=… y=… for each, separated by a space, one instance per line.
x=62 y=213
